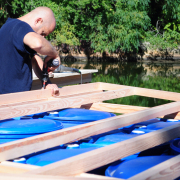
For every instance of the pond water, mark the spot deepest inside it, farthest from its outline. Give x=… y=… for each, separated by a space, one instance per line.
x=161 y=75
x=160 y=68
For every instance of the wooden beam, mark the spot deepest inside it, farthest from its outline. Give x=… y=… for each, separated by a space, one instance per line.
x=167 y=170
x=173 y=96
x=124 y=109
x=145 y=92
x=105 y=155
x=87 y=175
x=16 y=168
x=60 y=103
x=37 y=143
x=45 y=94
x=24 y=96
x=42 y=177
x=114 y=108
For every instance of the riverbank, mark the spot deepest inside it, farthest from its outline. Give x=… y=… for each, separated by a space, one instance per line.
x=150 y=55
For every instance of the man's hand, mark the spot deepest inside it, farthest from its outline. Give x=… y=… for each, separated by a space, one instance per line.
x=54 y=89
x=51 y=69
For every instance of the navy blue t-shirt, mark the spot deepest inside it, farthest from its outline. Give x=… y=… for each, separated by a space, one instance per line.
x=15 y=57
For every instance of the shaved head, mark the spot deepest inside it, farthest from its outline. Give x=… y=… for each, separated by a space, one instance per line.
x=41 y=20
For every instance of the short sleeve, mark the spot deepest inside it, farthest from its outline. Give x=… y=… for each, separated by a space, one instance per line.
x=18 y=33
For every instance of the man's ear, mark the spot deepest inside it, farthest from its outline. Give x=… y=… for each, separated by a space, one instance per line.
x=38 y=21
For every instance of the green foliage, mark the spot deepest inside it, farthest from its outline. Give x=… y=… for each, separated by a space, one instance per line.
x=108 y=24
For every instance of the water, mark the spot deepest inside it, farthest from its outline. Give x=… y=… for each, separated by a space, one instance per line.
x=160 y=75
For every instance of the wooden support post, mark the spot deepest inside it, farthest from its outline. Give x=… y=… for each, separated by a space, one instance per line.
x=105 y=155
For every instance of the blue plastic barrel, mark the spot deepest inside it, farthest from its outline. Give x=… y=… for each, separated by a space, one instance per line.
x=160 y=125
x=175 y=146
x=114 y=138
x=129 y=168
x=130 y=128
x=17 y=129
x=54 y=156
x=108 y=140
x=80 y=115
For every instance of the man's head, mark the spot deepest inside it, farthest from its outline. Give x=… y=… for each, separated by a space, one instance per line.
x=41 y=20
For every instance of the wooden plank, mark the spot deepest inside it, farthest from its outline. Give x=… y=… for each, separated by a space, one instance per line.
x=87 y=175
x=12 y=169
x=124 y=109
x=24 y=96
x=16 y=168
x=41 y=177
x=60 y=103
x=114 y=108
x=45 y=94
x=166 y=170
x=158 y=94
x=145 y=92
x=105 y=155
x=37 y=143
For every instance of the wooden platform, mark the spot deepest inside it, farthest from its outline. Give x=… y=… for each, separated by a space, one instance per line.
x=90 y=96
x=66 y=78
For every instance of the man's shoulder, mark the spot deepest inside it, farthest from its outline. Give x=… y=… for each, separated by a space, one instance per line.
x=12 y=21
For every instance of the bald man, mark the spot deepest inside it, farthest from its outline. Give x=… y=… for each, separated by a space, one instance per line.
x=20 y=41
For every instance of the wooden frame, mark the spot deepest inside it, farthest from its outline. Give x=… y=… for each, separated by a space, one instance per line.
x=88 y=96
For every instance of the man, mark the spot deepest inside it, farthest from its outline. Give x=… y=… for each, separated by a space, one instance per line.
x=20 y=41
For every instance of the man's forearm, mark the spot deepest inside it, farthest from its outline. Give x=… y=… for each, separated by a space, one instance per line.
x=40 y=44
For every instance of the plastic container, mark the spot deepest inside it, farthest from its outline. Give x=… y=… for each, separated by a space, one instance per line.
x=84 y=115
x=160 y=125
x=128 y=168
x=175 y=146
x=54 y=156
x=108 y=140
x=130 y=128
x=17 y=129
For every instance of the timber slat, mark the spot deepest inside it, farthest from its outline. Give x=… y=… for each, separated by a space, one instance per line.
x=145 y=92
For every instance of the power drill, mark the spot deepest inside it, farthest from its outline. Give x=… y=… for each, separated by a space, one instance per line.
x=50 y=63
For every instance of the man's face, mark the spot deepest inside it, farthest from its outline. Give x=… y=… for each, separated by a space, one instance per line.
x=45 y=28
x=43 y=31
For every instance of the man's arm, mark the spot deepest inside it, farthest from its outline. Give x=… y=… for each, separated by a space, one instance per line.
x=37 y=65
x=41 y=46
